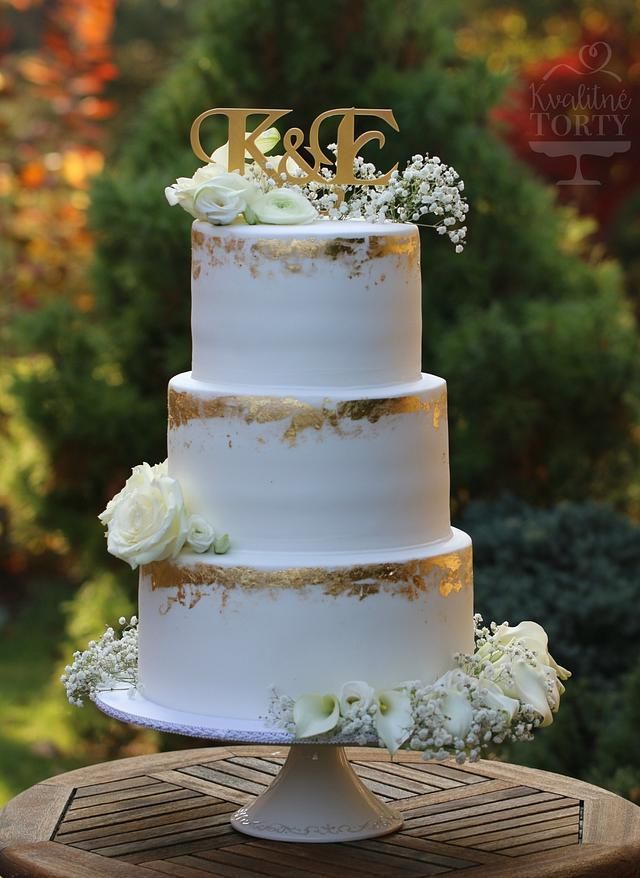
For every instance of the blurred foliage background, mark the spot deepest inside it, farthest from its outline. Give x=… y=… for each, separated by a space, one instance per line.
x=534 y=326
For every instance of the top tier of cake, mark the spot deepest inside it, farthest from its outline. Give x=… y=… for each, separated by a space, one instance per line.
x=330 y=304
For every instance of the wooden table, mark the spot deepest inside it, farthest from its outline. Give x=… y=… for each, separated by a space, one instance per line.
x=169 y=815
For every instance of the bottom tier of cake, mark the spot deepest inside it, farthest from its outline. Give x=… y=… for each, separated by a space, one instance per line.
x=217 y=633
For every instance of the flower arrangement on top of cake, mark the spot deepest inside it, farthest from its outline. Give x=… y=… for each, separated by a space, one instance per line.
x=284 y=189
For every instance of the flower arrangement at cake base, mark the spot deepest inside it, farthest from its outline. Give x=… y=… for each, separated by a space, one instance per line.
x=507 y=688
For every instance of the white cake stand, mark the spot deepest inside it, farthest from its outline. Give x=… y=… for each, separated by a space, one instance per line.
x=316 y=797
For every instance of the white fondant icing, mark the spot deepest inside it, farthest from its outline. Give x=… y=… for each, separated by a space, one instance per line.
x=310 y=319
x=349 y=485
x=221 y=655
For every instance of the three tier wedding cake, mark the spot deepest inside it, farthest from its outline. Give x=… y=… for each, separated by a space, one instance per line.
x=298 y=568
x=307 y=432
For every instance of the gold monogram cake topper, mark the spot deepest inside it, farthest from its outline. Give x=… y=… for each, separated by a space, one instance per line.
x=348 y=144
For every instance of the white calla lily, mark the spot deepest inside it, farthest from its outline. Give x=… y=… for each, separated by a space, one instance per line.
x=527 y=682
x=458 y=713
x=452 y=688
x=393 y=719
x=355 y=694
x=315 y=714
x=533 y=637
x=495 y=699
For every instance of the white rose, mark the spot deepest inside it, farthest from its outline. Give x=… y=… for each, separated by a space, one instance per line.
x=146 y=521
x=393 y=719
x=355 y=694
x=141 y=476
x=183 y=190
x=315 y=714
x=201 y=534
x=281 y=206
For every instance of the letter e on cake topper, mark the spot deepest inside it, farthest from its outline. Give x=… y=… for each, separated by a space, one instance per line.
x=348 y=145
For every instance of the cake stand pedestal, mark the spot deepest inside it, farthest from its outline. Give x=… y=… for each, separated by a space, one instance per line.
x=316 y=797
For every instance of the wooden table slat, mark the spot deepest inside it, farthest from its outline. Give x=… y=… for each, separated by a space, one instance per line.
x=521 y=825
x=522 y=815
x=207 y=787
x=102 y=830
x=331 y=860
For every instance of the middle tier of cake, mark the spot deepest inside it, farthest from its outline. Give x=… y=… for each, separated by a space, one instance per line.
x=314 y=472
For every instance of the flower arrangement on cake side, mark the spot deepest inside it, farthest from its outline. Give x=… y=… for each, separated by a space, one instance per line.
x=147 y=520
x=507 y=688
x=426 y=187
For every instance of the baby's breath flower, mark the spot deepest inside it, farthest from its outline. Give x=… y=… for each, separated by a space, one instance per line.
x=110 y=660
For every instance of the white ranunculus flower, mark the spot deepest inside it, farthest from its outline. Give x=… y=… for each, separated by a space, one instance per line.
x=221 y=199
x=315 y=714
x=355 y=694
x=454 y=702
x=265 y=141
x=393 y=719
x=182 y=192
x=281 y=206
x=146 y=521
x=200 y=534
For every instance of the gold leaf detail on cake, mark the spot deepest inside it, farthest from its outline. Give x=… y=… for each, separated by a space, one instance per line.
x=304 y=248
x=372 y=247
x=301 y=416
x=392 y=245
x=298 y=254
x=448 y=573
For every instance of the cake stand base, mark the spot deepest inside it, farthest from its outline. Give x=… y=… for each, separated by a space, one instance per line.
x=316 y=797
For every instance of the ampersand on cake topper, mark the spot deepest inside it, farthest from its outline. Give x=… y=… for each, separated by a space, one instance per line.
x=242 y=182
